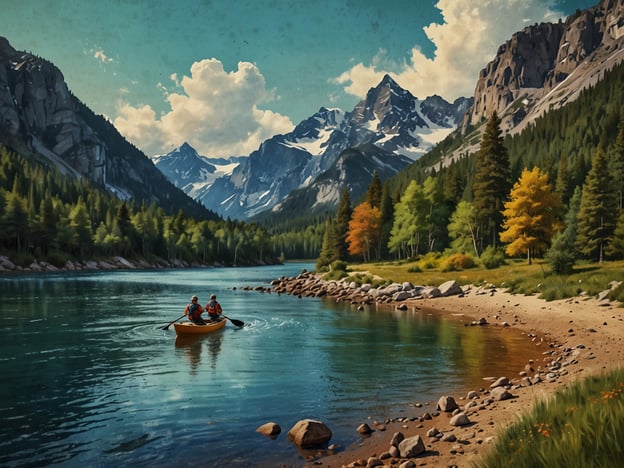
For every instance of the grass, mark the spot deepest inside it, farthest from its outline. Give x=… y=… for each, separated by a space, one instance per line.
x=517 y=276
x=581 y=426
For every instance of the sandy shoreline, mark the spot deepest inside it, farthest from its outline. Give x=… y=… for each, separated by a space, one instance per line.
x=588 y=334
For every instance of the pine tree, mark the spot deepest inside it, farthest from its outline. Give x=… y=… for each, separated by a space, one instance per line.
x=617 y=165
x=562 y=254
x=330 y=249
x=343 y=216
x=615 y=249
x=374 y=192
x=598 y=211
x=530 y=215
x=562 y=185
x=387 y=214
x=491 y=181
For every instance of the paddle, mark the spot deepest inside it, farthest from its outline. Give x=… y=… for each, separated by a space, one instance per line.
x=238 y=323
x=166 y=327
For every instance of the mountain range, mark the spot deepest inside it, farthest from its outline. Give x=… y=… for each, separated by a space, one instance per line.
x=543 y=67
x=332 y=149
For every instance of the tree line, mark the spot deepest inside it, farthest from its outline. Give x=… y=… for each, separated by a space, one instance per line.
x=562 y=217
x=45 y=215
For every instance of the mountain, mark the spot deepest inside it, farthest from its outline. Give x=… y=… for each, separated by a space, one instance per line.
x=400 y=127
x=353 y=170
x=190 y=171
x=40 y=119
x=545 y=66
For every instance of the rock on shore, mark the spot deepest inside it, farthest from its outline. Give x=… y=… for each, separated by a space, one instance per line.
x=308 y=284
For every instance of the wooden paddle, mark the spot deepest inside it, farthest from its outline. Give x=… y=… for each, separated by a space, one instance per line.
x=166 y=327
x=238 y=323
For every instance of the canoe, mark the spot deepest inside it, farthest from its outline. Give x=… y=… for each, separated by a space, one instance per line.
x=190 y=328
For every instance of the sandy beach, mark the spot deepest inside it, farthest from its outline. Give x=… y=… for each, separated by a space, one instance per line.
x=586 y=335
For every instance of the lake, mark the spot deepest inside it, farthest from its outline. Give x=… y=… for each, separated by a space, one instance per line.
x=91 y=378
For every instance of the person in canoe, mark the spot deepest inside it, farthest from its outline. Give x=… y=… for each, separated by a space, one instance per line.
x=214 y=309
x=194 y=310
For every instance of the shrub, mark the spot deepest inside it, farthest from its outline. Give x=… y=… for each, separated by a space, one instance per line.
x=492 y=258
x=338 y=265
x=429 y=261
x=456 y=262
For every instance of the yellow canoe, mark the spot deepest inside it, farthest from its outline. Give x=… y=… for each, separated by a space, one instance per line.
x=190 y=328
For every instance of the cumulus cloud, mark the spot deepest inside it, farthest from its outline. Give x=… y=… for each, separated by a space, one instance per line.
x=215 y=111
x=467 y=39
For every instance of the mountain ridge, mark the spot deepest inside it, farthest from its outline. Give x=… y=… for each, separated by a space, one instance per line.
x=390 y=118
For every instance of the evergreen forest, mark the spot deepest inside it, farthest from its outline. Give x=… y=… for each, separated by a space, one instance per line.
x=47 y=216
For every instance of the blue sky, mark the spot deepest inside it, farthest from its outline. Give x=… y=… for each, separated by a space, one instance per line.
x=224 y=75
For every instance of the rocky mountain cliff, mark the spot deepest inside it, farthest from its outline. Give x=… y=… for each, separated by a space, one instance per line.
x=544 y=66
x=399 y=126
x=42 y=120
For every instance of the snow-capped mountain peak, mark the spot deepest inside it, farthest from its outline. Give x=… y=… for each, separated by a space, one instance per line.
x=390 y=122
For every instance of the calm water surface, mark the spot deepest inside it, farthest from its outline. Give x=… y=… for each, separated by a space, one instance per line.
x=90 y=378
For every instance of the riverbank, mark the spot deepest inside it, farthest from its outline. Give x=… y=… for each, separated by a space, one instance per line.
x=579 y=337
x=105 y=264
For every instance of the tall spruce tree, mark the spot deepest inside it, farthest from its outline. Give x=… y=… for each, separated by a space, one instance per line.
x=343 y=216
x=374 y=192
x=492 y=182
x=598 y=211
x=387 y=215
x=330 y=249
x=617 y=165
x=562 y=254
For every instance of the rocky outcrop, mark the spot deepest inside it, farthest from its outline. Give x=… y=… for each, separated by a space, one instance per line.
x=569 y=56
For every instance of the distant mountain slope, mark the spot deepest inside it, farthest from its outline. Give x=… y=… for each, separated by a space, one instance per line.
x=42 y=120
x=400 y=127
x=353 y=170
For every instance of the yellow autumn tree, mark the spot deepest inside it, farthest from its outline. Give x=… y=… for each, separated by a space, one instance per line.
x=364 y=230
x=531 y=216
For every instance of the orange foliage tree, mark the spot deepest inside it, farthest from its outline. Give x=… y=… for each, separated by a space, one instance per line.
x=364 y=230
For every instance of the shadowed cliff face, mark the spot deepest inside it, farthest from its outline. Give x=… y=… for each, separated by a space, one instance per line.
x=42 y=120
x=543 y=57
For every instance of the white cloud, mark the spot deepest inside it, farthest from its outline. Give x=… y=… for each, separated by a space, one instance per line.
x=466 y=41
x=216 y=112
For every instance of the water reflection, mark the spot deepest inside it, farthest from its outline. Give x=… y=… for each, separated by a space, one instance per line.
x=192 y=348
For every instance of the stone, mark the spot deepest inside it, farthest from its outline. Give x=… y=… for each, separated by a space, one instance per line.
x=501 y=382
x=397 y=438
x=269 y=429
x=412 y=447
x=500 y=393
x=450 y=288
x=459 y=420
x=447 y=404
x=308 y=433
x=364 y=429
